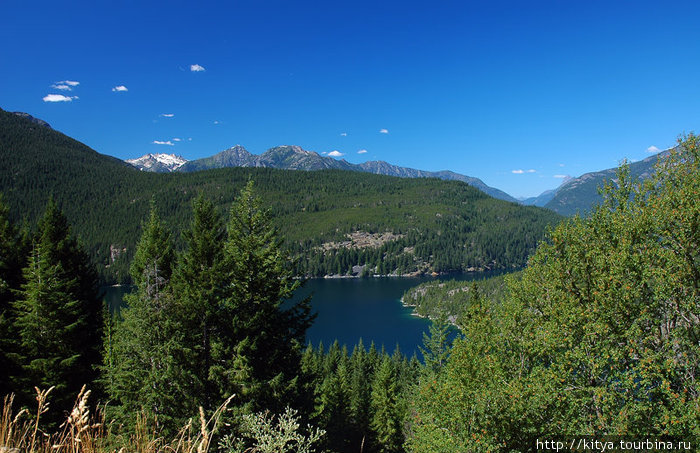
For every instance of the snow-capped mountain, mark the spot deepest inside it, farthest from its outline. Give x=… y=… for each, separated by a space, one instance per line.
x=160 y=163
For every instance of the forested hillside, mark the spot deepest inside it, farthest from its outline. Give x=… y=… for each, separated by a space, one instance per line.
x=340 y=222
x=599 y=336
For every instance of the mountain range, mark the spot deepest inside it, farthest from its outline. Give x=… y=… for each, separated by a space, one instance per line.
x=333 y=222
x=580 y=195
x=295 y=158
x=574 y=195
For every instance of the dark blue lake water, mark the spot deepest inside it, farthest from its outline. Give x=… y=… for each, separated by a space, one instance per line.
x=350 y=309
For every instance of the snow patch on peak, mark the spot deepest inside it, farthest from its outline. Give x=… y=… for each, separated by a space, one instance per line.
x=158 y=162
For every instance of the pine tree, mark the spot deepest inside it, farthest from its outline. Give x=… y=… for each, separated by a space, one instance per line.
x=386 y=409
x=58 y=312
x=148 y=344
x=199 y=284
x=263 y=338
x=436 y=346
x=12 y=260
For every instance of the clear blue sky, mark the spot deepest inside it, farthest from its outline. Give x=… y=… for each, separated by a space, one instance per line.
x=515 y=93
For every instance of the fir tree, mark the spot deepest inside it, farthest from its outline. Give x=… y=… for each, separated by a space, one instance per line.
x=12 y=260
x=199 y=285
x=387 y=416
x=262 y=338
x=148 y=346
x=436 y=345
x=58 y=312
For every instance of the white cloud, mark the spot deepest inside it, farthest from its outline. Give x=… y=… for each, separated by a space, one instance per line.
x=560 y=176
x=562 y=165
x=343 y=134
x=177 y=139
x=167 y=115
x=65 y=85
x=58 y=98
x=362 y=151
x=518 y=172
x=120 y=88
x=189 y=139
x=383 y=131
x=532 y=171
x=158 y=142
x=653 y=149
x=217 y=122
x=197 y=68
x=335 y=153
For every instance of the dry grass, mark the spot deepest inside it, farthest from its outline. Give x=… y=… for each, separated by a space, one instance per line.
x=86 y=432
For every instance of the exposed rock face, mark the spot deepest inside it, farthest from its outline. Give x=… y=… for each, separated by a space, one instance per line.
x=32 y=119
x=158 y=163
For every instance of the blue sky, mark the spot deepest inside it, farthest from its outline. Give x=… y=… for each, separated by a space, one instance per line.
x=515 y=93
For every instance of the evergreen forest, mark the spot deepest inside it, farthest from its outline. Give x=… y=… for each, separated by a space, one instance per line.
x=420 y=225
x=598 y=335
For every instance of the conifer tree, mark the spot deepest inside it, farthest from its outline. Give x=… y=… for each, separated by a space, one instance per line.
x=263 y=338
x=199 y=285
x=58 y=314
x=11 y=264
x=436 y=345
x=148 y=345
x=387 y=416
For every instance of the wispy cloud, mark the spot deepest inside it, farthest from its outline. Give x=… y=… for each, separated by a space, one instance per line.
x=159 y=142
x=217 y=122
x=561 y=176
x=383 y=131
x=197 y=68
x=120 y=88
x=177 y=139
x=653 y=149
x=520 y=172
x=362 y=151
x=335 y=153
x=65 y=85
x=167 y=115
x=58 y=98
x=343 y=134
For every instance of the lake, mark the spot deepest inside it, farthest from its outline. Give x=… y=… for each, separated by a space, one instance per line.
x=352 y=308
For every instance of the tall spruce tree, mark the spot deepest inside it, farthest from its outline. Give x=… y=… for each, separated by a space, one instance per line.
x=12 y=261
x=145 y=371
x=58 y=313
x=199 y=282
x=263 y=338
x=387 y=413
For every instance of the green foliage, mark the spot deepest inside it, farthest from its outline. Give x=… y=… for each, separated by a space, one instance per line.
x=350 y=395
x=199 y=283
x=57 y=315
x=443 y=225
x=12 y=261
x=263 y=433
x=436 y=345
x=216 y=328
x=451 y=298
x=264 y=337
x=599 y=336
x=144 y=363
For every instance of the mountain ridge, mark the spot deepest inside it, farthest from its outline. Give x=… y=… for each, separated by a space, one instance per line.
x=292 y=157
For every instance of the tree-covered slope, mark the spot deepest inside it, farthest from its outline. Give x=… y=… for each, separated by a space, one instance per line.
x=332 y=219
x=580 y=195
